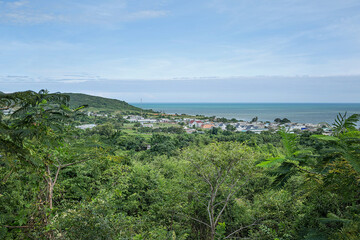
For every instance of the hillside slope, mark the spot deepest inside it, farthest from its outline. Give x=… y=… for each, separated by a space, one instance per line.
x=100 y=103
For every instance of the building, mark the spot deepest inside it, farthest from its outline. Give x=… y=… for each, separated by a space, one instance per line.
x=148 y=120
x=195 y=123
x=207 y=126
x=86 y=126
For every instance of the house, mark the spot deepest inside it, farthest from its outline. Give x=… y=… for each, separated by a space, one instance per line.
x=241 y=127
x=199 y=123
x=258 y=131
x=149 y=120
x=86 y=126
x=191 y=123
x=222 y=126
x=195 y=123
x=133 y=118
x=207 y=126
x=298 y=127
x=164 y=120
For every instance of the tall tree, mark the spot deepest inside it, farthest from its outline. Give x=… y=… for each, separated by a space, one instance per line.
x=219 y=172
x=33 y=137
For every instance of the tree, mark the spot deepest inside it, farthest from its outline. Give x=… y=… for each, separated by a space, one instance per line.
x=230 y=127
x=343 y=124
x=255 y=119
x=292 y=161
x=277 y=120
x=285 y=120
x=345 y=141
x=214 y=131
x=162 y=144
x=219 y=171
x=106 y=129
x=132 y=142
x=33 y=138
x=233 y=120
x=332 y=175
x=282 y=121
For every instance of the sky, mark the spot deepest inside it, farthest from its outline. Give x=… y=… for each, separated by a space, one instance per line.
x=182 y=50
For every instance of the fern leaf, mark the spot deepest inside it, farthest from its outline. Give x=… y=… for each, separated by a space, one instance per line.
x=325 y=138
x=270 y=162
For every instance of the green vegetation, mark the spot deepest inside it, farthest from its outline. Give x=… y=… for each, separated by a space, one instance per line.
x=100 y=103
x=119 y=180
x=282 y=121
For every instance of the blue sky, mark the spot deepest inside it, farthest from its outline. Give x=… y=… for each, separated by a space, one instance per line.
x=184 y=51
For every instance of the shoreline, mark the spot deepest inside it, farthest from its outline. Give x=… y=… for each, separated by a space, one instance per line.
x=296 y=112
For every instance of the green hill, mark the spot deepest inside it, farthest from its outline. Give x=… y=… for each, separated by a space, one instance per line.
x=96 y=103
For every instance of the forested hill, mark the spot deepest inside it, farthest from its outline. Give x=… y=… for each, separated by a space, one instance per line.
x=118 y=179
x=100 y=103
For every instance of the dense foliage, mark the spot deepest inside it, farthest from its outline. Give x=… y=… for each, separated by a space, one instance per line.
x=100 y=103
x=119 y=182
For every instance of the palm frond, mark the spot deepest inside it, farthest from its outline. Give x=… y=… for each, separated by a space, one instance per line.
x=270 y=162
x=344 y=124
x=290 y=142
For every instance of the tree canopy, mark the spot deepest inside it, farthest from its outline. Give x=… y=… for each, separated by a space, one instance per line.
x=117 y=181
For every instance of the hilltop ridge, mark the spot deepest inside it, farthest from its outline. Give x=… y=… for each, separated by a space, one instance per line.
x=100 y=103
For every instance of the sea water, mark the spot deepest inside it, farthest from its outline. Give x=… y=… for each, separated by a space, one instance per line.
x=295 y=112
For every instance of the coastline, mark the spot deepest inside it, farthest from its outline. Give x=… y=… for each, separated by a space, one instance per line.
x=297 y=112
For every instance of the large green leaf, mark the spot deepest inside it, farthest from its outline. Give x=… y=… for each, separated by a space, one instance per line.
x=344 y=124
x=325 y=138
x=271 y=162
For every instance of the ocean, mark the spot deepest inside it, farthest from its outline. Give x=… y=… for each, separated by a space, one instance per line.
x=295 y=112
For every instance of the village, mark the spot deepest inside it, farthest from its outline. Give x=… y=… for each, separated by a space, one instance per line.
x=193 y=125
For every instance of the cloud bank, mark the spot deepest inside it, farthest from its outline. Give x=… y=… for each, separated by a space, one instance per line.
x=237 y=89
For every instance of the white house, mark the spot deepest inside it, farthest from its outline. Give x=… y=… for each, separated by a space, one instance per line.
x=86 y=126
x=195 y=123
x=148 y=120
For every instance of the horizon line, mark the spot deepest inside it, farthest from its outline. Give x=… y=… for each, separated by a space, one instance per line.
x=244 y=102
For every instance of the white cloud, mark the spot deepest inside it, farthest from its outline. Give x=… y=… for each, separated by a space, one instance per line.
x=32 y=18
x=104 y=12
x=73 y=81
x=321 y=18
x=67 y=79
x=15 y=4
x=236 y=89
x=147 y=14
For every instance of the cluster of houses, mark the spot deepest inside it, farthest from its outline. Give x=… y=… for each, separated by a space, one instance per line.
x=94 y=114
x=139 y=119
x=257 y=127
x=196 y=125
